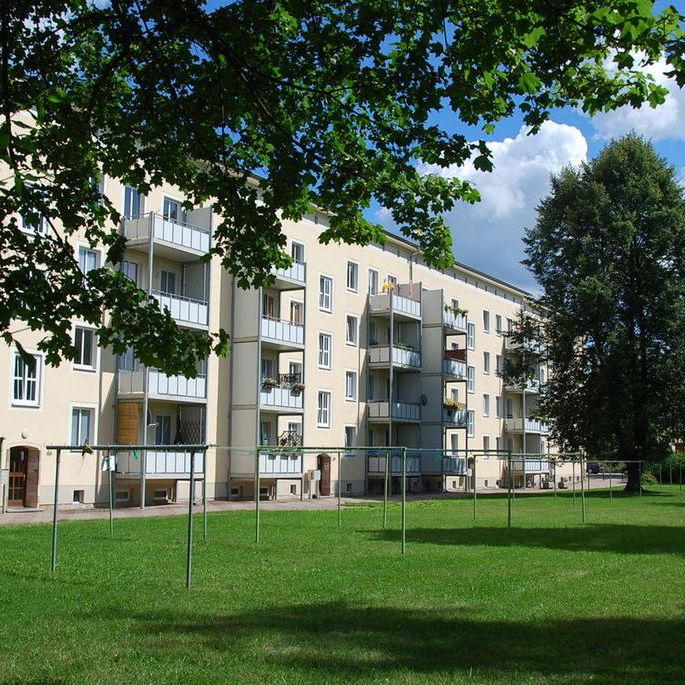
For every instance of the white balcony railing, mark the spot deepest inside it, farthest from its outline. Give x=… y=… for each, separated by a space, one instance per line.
x=531 y=385
x=162 y=463
x=171 y=231
x=401 y=411
x=455 y=417
x=376 y=463
x=457 y=322
x=454 y=367
x=184 y=309
x=380 y=355
x=383 y=302
x=277 y=463
x=161 y=385
x=529 y=425
x=297 y=272
x=530 y=465
x=282 y=331
x=281 y=398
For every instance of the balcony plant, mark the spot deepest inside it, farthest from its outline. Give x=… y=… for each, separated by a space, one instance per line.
x=453 y=405
x=268 y=383
x=297 y=388
x=457 y=311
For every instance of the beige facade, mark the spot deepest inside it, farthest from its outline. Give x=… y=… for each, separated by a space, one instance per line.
x=350 y=346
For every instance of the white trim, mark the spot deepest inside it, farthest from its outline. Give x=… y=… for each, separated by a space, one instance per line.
x=347 y=266
x=328 y=310
x=319 y=349
x=96 y=416
x=356 y=385
x=330 y=408
x=356 y=331
x=96 y=349
x=40 y=376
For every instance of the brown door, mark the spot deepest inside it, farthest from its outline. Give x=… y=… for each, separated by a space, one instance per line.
x=19 y=458
x=325 y=468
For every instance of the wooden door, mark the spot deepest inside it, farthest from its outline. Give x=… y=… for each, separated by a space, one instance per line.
x=17 y=477
x=325 y=468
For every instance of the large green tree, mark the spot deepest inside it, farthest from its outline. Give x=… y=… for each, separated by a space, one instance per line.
x=608 y=250
x=333 y=104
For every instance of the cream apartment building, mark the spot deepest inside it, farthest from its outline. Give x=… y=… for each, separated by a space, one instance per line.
x=350 y=346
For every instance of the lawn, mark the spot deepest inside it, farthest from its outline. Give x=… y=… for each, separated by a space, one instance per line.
x=551 y=601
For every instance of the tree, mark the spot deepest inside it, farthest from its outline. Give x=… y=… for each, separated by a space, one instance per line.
x=608 y=250
x=331 y=103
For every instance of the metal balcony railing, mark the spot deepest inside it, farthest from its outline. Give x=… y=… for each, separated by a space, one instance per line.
x=183 y=309
x=282 y=331
x=168 y=230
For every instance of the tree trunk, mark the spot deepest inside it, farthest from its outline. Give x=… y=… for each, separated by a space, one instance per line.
x=634 y=471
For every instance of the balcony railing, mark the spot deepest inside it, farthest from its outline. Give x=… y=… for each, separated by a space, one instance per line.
x=454 y=417
x=376 y=462
x=527 y=425
x=280 y=464
x=282 y=331
x=457 y=322
x=161 y=463
x=380 y=356
x=172 y=231
x=297 y=272
x=184 y=309
x=399 y=411
x=530 y=465
x=454 y=368
x=161 y=385
x=512 y=345
x=531 y=385
x=283 y=396
x=383 y=302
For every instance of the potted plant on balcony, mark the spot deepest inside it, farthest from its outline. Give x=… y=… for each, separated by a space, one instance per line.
x=297 y=388
x=452 y=405
x=269 y=383
x=457 y=311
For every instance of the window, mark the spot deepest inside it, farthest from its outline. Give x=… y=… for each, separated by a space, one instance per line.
x=351 y=385
x=297 y=252
x=88 y=259
x=471 y=336
x=84 y=342
x=168 y=282
x=267 y=367
x=352 y=276
x=351 y=330
x=78 y=497
x=470 y=423
x=324 y=351
x=498 y=444
x=81 y=426
x=498 y=324
x=541 y=374
x=498 y=406
x=122 y=495
x=265 y=433
x=510 y=409
x=486 y=405
x=296 y=310
x=486 y=443
x=295 y=370
x=325 y=293
x=391 y=280
x=133 y=206
x=454 y=441
x=498 y=363
x=455 y=303
x=26 y=381
x=486 y=321
x=373 y=282
x=163 y=430
x=269 y=309
x=486 y=362
x=350 y=436
x=33 y=225
x=510 y=325
x=293 y=489
x=130 y=270
x=323 y=413
x=171 y=209
x=471 y=379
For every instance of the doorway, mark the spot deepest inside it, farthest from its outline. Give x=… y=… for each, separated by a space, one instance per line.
x=324 y=465
x=23 y=477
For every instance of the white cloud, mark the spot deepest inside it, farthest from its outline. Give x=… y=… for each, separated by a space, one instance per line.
x=667 y=121
x=488 y=235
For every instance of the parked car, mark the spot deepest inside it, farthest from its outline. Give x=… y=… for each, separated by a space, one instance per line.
x=594 y=467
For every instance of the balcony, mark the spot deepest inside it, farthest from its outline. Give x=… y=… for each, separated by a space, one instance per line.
x=402 y=357
x=454 y=368
x=184 y=310
x=382 y=410
x=533 y=346
x=283 y=394
x=376 y=462
x=455 y=322
x=172 y=233
x=163 y=387
x=282 y=334
x=531 y=385
x=159 y=464
x=400 y=303
x=519 y=464
x=280 y=464
x=292 y=277
x=454 y=418
x=527 y=425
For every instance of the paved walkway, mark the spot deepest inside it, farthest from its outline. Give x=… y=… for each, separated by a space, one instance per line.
x=79 y=512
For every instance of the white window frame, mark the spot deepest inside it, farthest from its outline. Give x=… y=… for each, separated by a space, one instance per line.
x=354 y=342
x=179 y=218
x=498 y=406
x=141 y=203
x=486 y=363
x=325 y=298
x=470 y=423
x=353 y=427
x=86 y=250
x=38 y=399
x=166 y=275
x=80 y=366
x=323 y=409
x=83 y=406
x=471 y=379
x=375 y=280
x=354 y=286
x=498 y=324
x=350 y=374
x=471 y=336
x=297 y=305
x=486 y=321
x=486 y=446
x=486 y=404
x=324 y=356
x=296 y=246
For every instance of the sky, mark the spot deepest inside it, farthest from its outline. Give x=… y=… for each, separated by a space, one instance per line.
x=488 y=235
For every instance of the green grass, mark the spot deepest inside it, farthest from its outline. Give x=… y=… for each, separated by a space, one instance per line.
x=552 y=601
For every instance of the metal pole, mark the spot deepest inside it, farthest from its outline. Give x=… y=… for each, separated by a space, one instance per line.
x=111 y=495
x=385 y=491
x=204 y=501
x=573 y=477
x=256 y=495
x=582 y=490
x=680 y=479
x=340 y=462
x=639 y=485
x=189 y=560
x=3 y=507
x=475 y=456
x=509 y=492
x=53 y=565
x=611 y=492
x=404 y=499
x=554 y=478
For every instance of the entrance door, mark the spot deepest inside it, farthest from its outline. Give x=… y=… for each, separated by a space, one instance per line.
x=325 y=468
x=19 y=458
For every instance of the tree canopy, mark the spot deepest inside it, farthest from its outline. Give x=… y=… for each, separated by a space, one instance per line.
x=332 y=104
x=608 y=250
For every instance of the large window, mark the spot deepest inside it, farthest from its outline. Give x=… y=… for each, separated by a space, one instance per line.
x=26 y=381
x=172 y=209
x=36 y=225
x=486 y=405
x=163 y=429
x=81 y=426
x=498 y=324
x=296 y=315
x=88 y=259
x=324 y=351
x=84 y=343
x=323 y=412
x=350 y=436
x=351 y=330
x=130 y=270
x=373 y=282
x=133 y=206
x=486 y=362
x=325 y=293
x=470 y=423
x=471 y=378
x=167 y=282
x=297 y=252
x=498 y=406
x=471 y=336
x=352 y=276
x=351 y=385
x=486 y=321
